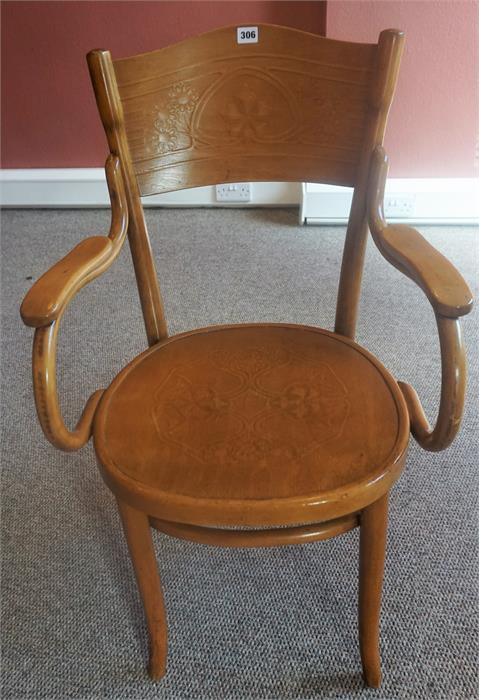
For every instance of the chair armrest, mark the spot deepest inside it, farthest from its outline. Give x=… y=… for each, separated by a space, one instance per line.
x=450 y=298
x=411 y=254
x=45 y=303
x=453 y=387
x=49 y=295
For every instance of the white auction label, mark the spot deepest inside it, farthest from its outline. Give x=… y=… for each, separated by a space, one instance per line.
x=247 y=35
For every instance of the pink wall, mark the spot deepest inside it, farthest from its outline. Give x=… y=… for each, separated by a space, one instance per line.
x=433 y=128
x=49 y=116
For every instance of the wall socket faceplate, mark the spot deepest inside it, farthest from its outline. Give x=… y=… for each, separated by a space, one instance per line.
x=399 y=205
x=234 y=192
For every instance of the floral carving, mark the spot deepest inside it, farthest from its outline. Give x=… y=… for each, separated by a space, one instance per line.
x=249 y=450
x=182 y=98
x=255 y=361
x=323 y=117
x=314 y=402
x=164 y=136
x=210 y=402
x=247 y=115
x=251 y=399
x=299 y=401
x=171 y=121
x=249 y=105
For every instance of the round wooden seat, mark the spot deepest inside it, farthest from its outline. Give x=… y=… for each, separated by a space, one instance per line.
x=254 y=425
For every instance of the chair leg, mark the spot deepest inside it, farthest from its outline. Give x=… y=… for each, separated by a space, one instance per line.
x=373 y=529
x=140 y=544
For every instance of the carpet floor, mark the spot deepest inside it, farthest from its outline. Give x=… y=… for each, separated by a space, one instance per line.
x=243 y=624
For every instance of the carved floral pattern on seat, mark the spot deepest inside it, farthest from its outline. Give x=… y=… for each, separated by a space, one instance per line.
x=255 y=410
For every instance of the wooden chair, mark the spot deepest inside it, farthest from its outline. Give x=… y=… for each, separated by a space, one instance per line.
x=251 y=435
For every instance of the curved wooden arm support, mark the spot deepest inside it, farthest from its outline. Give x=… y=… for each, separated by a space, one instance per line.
x=453 y=362
x=46 y=395
x=450 y=297
x=48 y=298
x=411 y=254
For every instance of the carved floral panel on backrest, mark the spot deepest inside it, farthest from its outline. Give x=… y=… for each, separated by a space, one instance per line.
x=262 y=115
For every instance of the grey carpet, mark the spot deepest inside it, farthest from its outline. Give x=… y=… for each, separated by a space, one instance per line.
x=277 y=623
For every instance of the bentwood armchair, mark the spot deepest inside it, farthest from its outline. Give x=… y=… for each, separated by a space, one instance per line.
x=251 y=435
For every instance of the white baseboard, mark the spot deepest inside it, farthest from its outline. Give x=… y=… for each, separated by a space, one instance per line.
x=86 y=187
x=436 y=200
x=433 y=201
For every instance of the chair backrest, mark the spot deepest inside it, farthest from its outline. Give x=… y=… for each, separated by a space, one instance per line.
x=293 y=106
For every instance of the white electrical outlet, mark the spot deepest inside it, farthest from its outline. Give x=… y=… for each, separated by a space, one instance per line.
x=399 y=206
x=234 y=192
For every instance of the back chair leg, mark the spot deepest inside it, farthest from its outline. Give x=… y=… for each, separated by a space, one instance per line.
x=140 y=544
x=373 y=529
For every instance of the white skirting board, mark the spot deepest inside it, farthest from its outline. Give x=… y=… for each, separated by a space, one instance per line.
x=428 y=200
x=431 y=200
x=86 y=187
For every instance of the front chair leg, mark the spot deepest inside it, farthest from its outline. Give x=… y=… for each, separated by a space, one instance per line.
x=372 y=549
x=140 y=544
